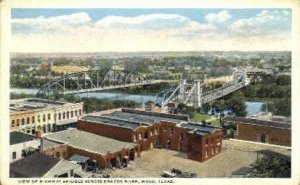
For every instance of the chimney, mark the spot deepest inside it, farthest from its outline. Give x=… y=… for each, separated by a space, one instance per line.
x=39 y=135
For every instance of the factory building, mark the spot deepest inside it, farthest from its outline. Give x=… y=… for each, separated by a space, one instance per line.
x=156 y=130
x=263 y=131
x=106 y=152
x=32 y=114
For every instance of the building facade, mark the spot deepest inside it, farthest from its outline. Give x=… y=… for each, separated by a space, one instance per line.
x=271 y=132
x=157 y=130
x=32 y=114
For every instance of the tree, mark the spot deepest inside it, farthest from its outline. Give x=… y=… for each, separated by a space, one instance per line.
x=271 y=166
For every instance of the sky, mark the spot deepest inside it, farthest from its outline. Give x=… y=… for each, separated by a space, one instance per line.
x=130 y=30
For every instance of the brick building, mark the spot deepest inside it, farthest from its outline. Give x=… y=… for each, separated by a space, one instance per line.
x=272 y=132
x=105 y=151
x=156 y=130
x=32 y=114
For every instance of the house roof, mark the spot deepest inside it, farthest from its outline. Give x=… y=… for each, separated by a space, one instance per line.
x=277 y=124
x=35 y=165
x=89 y=142
x=19 y=137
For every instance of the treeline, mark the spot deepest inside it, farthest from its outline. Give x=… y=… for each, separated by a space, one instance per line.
x=235 y=105
x=92 y=104
x=27 y=81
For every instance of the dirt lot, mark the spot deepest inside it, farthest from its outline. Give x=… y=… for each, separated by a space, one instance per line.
x=235 y=155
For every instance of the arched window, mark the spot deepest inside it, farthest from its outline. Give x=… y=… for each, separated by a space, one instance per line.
x=28 y=121
x=13 y=123
x=49 y=116
x=23 y=121
x=72 y=114
x=75 y=112
x=44 y=117
x=33 y=119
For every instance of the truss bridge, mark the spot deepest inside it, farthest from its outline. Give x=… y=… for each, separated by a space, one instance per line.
x=91 y=81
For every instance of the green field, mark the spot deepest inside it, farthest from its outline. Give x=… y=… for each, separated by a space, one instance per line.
x=198 y=117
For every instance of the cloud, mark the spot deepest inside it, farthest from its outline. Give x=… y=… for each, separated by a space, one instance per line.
x=152 y=32
x=219 y=17
x=264 y=23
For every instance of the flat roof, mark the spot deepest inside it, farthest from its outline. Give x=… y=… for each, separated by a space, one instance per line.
x=108 y=120
x=35 y=165
x=27 y=104
x=137 y=117
x=19 y=137
x=250 y=121
x=198 y=128
x=89 y=142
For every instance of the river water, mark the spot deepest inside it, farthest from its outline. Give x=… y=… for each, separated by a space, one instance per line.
x=252 y=108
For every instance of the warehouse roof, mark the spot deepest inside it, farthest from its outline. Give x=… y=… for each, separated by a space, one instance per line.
x=19 y=137
x=35 y=165
x=250 y=121
x=89 y=142
x=108 y=120
x=137 y=117
x=198 y=128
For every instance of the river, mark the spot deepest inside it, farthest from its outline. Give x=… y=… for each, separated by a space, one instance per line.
x=252 y=108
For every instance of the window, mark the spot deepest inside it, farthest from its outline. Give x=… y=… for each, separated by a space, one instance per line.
x=57 y=154
x=181 y=137
x=39 y=118
x=59 y=116
x=23 y=121
x=44 y=117
x=13 y=123
x=79 y=112
x=68 y=115
x=72 y=114
x=64 y=115
x=14 y=155
x=28 y=121
x=49 y=116
x=172 y=130
x=33 y=119
x=18 y=122
x=75 y=112
x=146 y=135
x=206 y=141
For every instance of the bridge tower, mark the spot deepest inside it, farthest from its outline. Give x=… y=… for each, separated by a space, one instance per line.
x=197 y=93
x=181 y=96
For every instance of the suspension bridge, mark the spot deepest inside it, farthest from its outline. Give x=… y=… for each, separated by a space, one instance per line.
x=193 y=95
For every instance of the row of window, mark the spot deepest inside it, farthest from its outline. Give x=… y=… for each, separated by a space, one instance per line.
x=212 y=140
x=68 y=114
x=214 y=150
x=140 y=136
x=64 y=115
